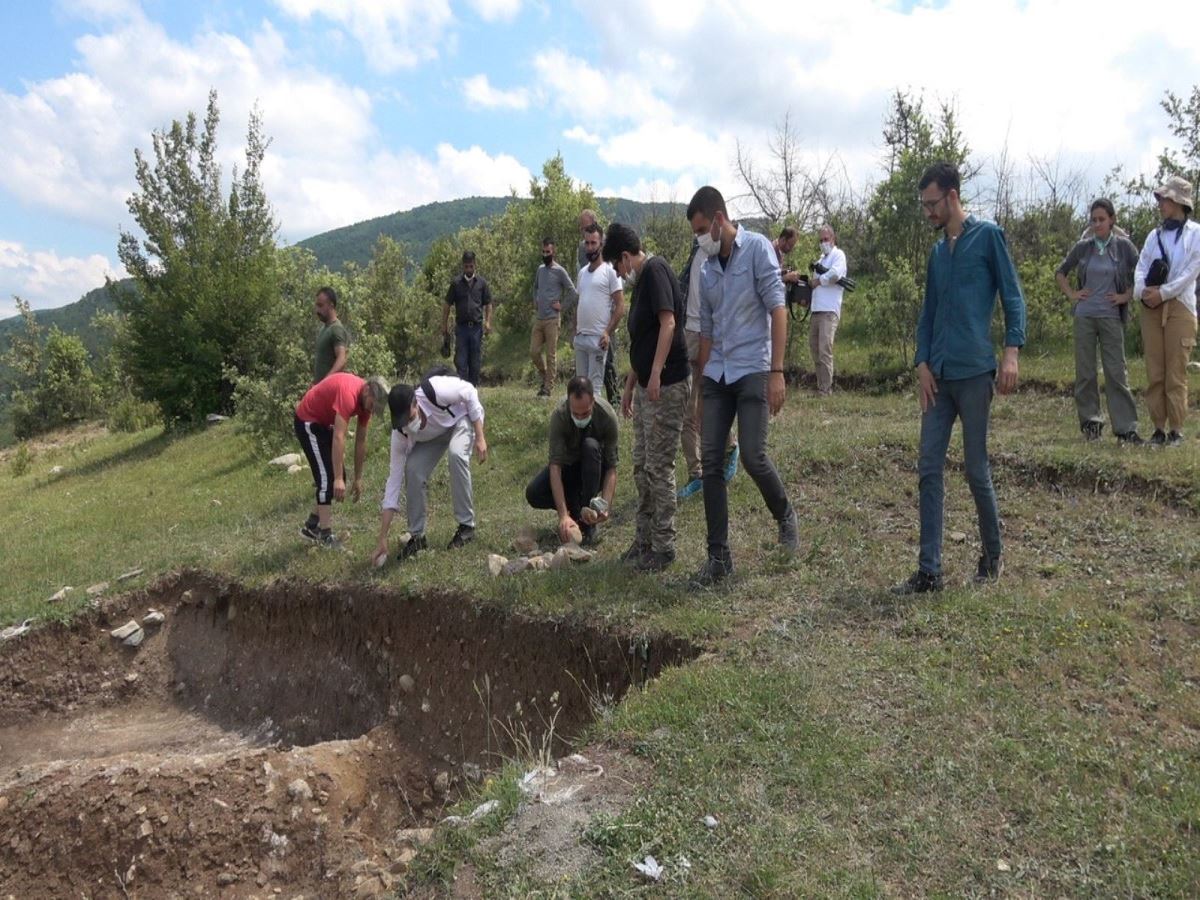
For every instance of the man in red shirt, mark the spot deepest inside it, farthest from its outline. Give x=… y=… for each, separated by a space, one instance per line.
x=322 y=419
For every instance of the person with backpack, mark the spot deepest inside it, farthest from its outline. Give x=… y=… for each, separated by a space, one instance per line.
x=1165 y=282
x=441 y=416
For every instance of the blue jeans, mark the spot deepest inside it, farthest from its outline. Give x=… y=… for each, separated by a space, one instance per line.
x=969 y=399
x=468 y=351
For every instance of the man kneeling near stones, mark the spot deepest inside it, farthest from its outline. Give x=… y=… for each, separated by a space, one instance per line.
x=581 y=479
x=440 y=416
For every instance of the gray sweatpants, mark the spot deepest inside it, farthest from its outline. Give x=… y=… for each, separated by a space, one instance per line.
x=1110 y=334
x=456 y=444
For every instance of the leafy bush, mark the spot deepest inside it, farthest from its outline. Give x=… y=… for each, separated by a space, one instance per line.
x=128 y=414
x=21 y=461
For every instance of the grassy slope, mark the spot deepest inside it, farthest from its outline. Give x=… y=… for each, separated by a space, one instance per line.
x=848 y=743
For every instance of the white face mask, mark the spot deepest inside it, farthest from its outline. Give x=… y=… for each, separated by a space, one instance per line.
x=826 y=246
x=707 y=245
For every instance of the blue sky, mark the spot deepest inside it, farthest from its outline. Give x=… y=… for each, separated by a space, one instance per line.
x=380 y=105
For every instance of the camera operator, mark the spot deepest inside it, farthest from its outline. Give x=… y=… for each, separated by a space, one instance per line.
x=825 y=277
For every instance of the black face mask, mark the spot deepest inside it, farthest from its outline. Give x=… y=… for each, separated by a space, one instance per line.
x=592 y=255
x=547 y=259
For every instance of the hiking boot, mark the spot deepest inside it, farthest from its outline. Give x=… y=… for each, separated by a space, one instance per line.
x=463 y=536
x=692 y=487
x=311 y=529
x=988 y=569
x=1091 y=430
x=1130 y=437
x=789 y=532
x=633 y=556
x=415 y=545
x=1158 y=438
x=326 y=541
x=1174 y=439
x=713 y=571
x=918 y=583
x=655 y=560
x=731 y=463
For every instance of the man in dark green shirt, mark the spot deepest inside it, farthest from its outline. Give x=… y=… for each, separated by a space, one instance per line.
x=581 y=479
x=332 y=338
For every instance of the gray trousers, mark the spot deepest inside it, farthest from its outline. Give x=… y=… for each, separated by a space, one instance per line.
x=1110 y=334
x=589 y=359
x=456 y=444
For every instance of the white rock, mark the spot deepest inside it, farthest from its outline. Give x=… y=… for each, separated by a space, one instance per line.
x=299 y=790
x=126 y=630
x=288 y=459
x=957 y=536
x=97 y=589
x=132 y=573
x=539 y=563
x=293 y=469
x=154 y=617
x=1194 y=365
x=575 y=553
x=215 y=419
x=15 y=631
x=407 y=684
x=56 y=470
x=132 y=678
x=476 y=814
x=61 y=595
x=574 y=533
x=650 y=868
x=496 y=564
x=710 y=822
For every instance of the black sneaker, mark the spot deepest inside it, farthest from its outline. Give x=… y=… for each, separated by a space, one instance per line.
x=988 y=569
x=415 y=545
x=1092 y=430
x=463 y=536
x=1130 y=437
x=919 y=583
x=310 y=530
x=1158 y=438
x=633 y=556
x=714 y=571
x=1174 y=439
x=326 y=541
x=655 y=560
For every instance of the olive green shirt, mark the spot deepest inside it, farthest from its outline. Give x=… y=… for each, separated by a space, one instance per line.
x=566 y=439
x=328 y=340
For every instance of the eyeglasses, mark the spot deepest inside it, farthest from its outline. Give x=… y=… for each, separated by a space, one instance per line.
x=931 y=205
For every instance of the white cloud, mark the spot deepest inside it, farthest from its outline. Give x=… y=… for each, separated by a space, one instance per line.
x=496 y=10
x=46 y=279
x=479 y=93
x=582 y=135
x=394 y=34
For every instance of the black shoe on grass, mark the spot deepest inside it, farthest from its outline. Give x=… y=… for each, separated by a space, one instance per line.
x=918 y=583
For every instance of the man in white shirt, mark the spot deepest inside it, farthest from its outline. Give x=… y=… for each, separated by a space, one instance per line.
x=826 y=307
x=440 y=416
x=601 y=305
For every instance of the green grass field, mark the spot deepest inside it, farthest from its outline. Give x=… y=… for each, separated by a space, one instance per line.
x=1037 y=738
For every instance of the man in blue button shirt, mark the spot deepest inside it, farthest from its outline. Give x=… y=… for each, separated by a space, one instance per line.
x=743 y=334
x=956 y=366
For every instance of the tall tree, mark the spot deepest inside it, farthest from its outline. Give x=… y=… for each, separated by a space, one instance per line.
x=204 y=270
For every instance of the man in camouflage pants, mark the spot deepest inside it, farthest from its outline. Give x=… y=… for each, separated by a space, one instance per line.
x=656 y=392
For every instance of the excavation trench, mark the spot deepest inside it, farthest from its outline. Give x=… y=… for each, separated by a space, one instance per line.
x=291 y=736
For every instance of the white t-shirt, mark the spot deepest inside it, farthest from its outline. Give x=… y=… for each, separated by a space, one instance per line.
x=827 y=293
x=595 y=298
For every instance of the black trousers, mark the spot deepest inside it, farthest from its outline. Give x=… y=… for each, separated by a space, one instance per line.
x=581 y=481
x=316 y=441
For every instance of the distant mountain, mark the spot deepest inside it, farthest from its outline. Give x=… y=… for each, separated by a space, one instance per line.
x=418 y=228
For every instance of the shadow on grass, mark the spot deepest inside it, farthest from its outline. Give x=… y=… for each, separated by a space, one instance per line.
x=867 y=605
x=135 y=453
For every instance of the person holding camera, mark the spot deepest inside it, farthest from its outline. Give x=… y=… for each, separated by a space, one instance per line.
x=1103 y=261
x=1165 y=283
x=825 y=277
x=471 y=300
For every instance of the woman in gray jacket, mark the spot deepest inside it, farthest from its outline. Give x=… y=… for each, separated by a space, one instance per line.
x=1103 y=263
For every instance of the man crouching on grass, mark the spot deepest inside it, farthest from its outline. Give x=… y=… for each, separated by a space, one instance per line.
x=322 y=420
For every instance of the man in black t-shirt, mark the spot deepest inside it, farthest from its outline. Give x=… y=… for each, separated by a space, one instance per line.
x=656 y=392
x=471 y=300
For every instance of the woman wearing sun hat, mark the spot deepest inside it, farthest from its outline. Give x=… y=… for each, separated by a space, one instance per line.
x=1165 y=282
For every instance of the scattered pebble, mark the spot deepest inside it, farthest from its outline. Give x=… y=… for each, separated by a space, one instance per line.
x=56 y=470
x=958 y=536
x=288 y=459
x=61 y=595
x=710 y=822
x=299 y=790
x=226 y=878
x=496 y=564
x=97 y=589
x=132 y=573
x=407 y=684
x=15 y=631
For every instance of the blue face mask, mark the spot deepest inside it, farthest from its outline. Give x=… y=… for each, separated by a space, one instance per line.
x=581 y=423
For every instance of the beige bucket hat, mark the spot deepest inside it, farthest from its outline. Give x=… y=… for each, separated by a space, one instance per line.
x=1178 y=189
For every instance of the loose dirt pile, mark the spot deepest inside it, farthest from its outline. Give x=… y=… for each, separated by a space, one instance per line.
x=293 y=739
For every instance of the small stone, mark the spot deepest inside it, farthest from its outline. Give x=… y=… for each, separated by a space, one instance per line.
x=97 y=589
x=61 y=595
x=132 y=678
x=414 y=836
x=215 y=419
x=145 y=831
x=496 y=564
x=154 y=617
x=574 y=533
x=226 y=878
x=292 y=470
x=441 y=784
x=407 y=684
x=515 y=566
x=15 y=631
x=3 y=804
x=56 y=470
x=288 y=459
x=560 y=560
x=710 y=822
x=1002 y=865
x=135 y=639
x=299 y=790
x=132 y=573
x=575 y=553
x=538 y=563
x=957 y=536
x=126 y=630
x=216 y=502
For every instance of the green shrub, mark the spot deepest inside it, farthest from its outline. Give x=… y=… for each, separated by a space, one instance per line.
x=21 y=461
x=129 y=414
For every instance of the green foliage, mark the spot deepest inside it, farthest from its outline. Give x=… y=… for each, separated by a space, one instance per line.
x=54 y=383
x=396 y=321
x=892 y=305
x=127 y=414
x=1047 y=312
x=204 y=272
x=21 y=461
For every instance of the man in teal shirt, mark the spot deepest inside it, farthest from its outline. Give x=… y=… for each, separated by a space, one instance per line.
x=956 y=366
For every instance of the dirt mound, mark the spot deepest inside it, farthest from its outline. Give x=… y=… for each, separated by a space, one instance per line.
x=294 y=736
